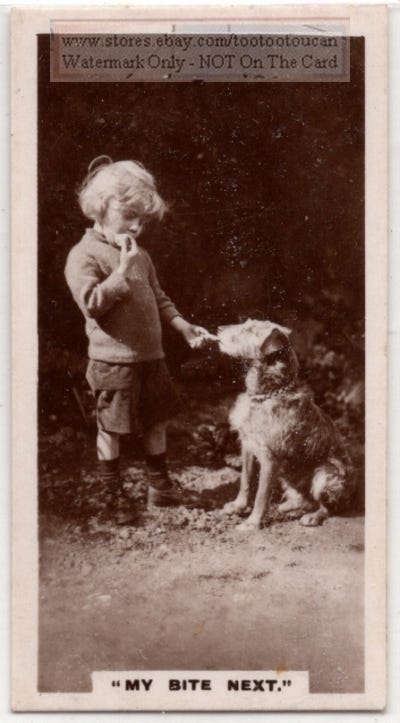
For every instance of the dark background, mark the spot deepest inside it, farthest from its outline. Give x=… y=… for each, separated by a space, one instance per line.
x=265 y=184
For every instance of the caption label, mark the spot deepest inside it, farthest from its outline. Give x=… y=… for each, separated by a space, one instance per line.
x=193 y=684
x=217 y=690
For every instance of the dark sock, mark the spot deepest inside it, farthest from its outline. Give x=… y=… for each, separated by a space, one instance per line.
x=157 y=471
x=108 y=470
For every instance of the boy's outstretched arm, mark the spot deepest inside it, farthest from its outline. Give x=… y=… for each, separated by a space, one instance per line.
x=193 y=334
x=166 y=307
x=93 y=294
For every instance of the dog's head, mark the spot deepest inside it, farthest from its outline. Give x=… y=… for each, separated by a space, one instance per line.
x=266 y=344
x=248 y=340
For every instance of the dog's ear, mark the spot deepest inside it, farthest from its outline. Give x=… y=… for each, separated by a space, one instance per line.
x=275 y=341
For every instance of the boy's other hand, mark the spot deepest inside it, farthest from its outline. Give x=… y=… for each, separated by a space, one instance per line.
x=129 y=249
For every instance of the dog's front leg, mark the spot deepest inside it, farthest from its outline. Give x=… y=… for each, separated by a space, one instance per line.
x=262 y=497
x=240 y=503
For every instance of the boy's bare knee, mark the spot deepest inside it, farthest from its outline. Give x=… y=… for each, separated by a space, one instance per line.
x=107 y=445
x=155 y=440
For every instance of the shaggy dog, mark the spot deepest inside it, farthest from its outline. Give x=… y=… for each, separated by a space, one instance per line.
x=281 y=428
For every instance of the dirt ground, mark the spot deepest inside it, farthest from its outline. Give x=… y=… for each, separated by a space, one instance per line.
x=183 y=588
x=199 y=596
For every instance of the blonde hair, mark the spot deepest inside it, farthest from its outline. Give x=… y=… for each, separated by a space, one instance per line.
x=127 y=182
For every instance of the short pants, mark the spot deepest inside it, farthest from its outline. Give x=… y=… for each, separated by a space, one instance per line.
x=132 y=397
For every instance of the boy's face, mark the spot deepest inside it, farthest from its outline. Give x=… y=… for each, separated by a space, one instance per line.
x=123 y=219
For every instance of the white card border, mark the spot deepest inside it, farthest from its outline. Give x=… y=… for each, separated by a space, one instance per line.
x=24 y=270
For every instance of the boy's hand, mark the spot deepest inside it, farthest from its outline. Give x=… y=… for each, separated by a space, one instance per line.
x=194 y=335
x=129 y=250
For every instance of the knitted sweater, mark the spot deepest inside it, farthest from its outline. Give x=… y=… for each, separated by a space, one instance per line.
x=122 y=312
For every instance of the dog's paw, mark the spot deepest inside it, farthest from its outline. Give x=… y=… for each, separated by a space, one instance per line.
x=248 y=525
x=312 y=519
x=234 y=508
x=288 y=506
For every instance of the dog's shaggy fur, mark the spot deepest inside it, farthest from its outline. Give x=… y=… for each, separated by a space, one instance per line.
x=281 y=427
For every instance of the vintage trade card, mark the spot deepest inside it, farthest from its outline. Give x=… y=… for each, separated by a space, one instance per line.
x=199 y=377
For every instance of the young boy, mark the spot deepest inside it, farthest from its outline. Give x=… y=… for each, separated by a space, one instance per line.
x=115 y=285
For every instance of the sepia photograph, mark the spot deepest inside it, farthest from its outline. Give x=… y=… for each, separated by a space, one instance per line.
x=201 y=355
